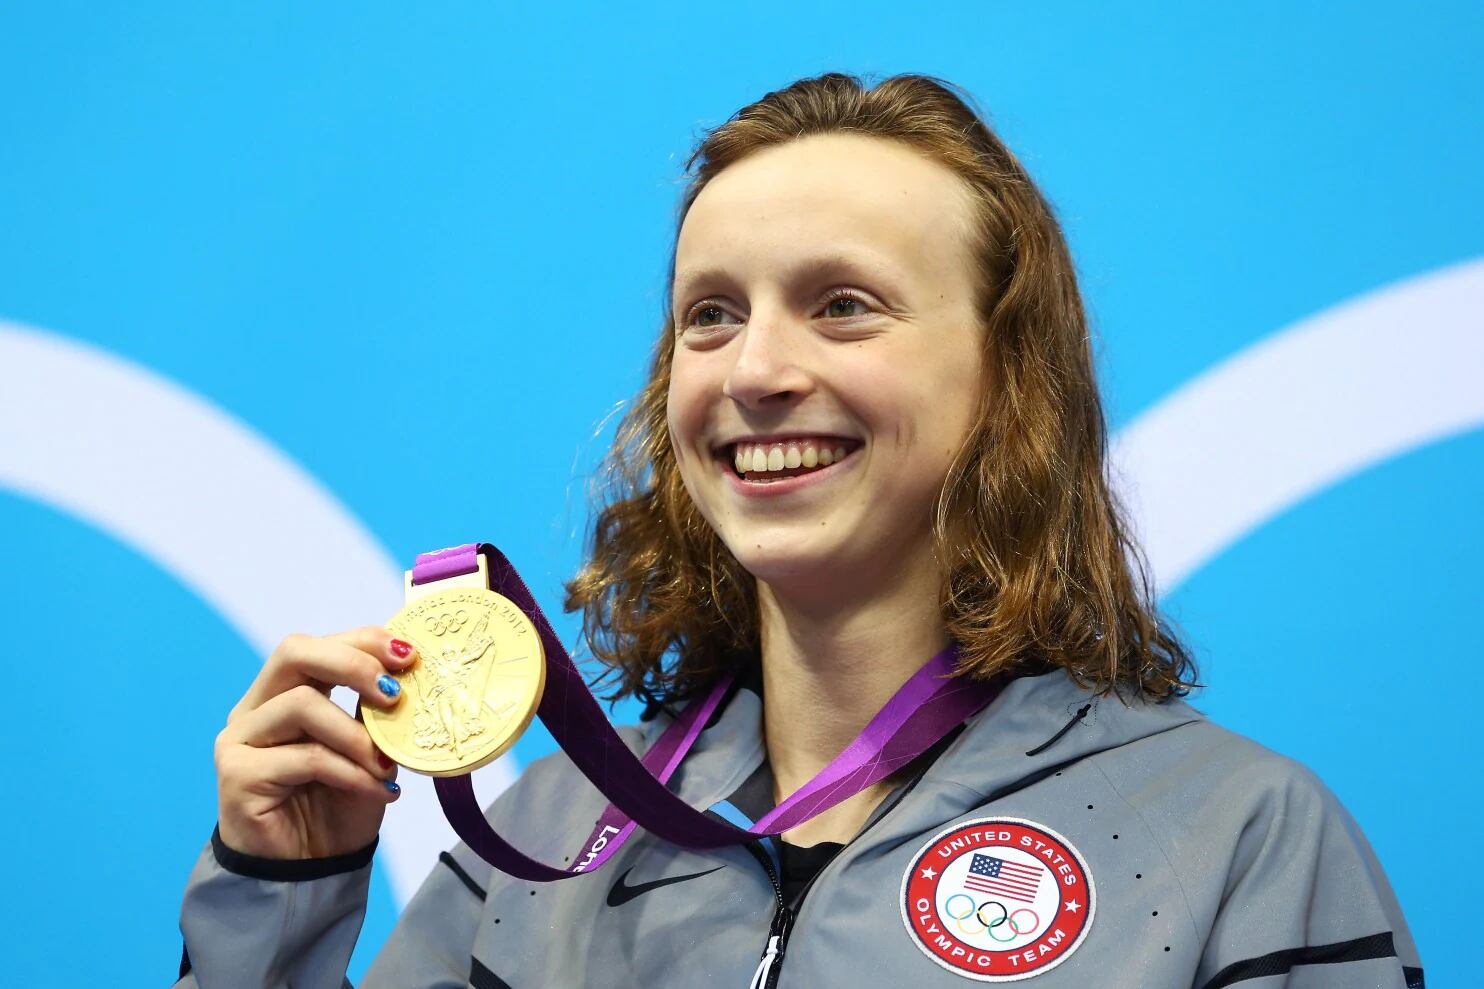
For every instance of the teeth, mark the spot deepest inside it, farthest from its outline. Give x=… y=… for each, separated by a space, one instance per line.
x=765 y=458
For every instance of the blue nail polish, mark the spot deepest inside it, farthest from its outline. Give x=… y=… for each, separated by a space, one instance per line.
x=391 y=786
x=388 y=686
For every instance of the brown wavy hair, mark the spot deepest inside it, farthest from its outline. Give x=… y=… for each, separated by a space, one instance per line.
x=1040 y=569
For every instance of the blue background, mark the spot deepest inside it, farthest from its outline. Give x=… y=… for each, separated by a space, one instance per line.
x=287 y=207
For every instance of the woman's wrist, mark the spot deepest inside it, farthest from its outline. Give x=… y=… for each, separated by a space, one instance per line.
x=288 y=870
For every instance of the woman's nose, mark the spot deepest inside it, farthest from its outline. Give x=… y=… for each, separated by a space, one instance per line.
x=768 y=366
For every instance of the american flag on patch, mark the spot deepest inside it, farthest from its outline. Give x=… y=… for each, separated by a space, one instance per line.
x=988 y=874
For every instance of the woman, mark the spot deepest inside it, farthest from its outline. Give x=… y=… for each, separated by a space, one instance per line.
x=871 y=433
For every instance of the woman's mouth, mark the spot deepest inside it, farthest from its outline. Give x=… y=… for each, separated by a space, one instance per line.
x=770 y=461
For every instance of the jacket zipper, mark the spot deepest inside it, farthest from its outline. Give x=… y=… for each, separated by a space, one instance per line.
x=765 y=975
x=770 y=964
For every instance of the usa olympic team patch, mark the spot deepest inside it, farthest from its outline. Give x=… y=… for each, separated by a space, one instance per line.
x=998 y=899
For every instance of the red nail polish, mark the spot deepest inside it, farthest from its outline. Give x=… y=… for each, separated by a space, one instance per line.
x=401 y=649
x=383 y=760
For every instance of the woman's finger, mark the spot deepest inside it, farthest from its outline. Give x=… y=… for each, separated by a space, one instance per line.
x=325 y=661
x=270 y=771
x=304 y=713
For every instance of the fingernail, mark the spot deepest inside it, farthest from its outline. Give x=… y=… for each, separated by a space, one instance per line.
x=401 y=649
x=391 y=786
x=383 y=760
x=388 y=686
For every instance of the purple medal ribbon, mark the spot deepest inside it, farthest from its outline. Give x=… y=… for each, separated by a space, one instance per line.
x=922 y=711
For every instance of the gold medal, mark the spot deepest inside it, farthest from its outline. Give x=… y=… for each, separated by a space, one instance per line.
x=474 y=687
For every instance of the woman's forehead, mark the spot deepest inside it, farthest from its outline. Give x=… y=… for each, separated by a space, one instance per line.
x=834 y=197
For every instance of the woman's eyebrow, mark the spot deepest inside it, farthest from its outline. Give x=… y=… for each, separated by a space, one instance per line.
x=856 y=262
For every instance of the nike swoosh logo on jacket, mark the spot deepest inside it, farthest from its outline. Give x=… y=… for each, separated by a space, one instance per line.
x=621 y=892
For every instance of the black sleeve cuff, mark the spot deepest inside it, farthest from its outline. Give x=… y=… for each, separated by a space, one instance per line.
x=287 y=870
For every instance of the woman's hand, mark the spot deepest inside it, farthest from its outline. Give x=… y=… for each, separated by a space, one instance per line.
x=297 y=777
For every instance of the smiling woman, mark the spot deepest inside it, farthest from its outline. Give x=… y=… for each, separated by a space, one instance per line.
x=861 y=557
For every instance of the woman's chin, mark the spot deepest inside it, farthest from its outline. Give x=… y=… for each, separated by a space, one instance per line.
x=794 y=567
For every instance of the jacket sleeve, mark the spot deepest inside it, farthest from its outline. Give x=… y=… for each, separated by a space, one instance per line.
x=1305 y=901
x=252 y=922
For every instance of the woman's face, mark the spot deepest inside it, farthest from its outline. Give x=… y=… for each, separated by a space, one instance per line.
x=824 y=306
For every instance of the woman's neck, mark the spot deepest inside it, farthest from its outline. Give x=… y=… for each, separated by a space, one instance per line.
x=828 y=668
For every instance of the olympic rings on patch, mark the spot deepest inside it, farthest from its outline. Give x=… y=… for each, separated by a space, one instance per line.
x=964 y=928
x=1035 y=921
x=979 y=914
x=1007 y=918
x=1015 y=929
x=1014 y=933
x=976 y=913
x=959 y=916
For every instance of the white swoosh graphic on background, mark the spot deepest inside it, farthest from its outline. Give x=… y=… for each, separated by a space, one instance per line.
x=214 y=504
x=1328 y=397
x=264 y=544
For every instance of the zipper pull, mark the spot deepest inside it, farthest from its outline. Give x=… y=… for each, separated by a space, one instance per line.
x=773 y=954
x=765 y=964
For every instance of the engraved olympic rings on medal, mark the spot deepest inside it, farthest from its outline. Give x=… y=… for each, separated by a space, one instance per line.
x=440 y=624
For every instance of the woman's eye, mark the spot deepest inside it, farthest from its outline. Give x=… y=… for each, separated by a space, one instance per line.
x=704 y=316
x=839 y=302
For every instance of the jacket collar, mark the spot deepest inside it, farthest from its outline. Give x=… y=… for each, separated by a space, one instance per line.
x=1035 y=724
x=1038 y=723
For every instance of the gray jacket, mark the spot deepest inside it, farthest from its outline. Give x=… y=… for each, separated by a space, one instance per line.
x=1134 y=845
